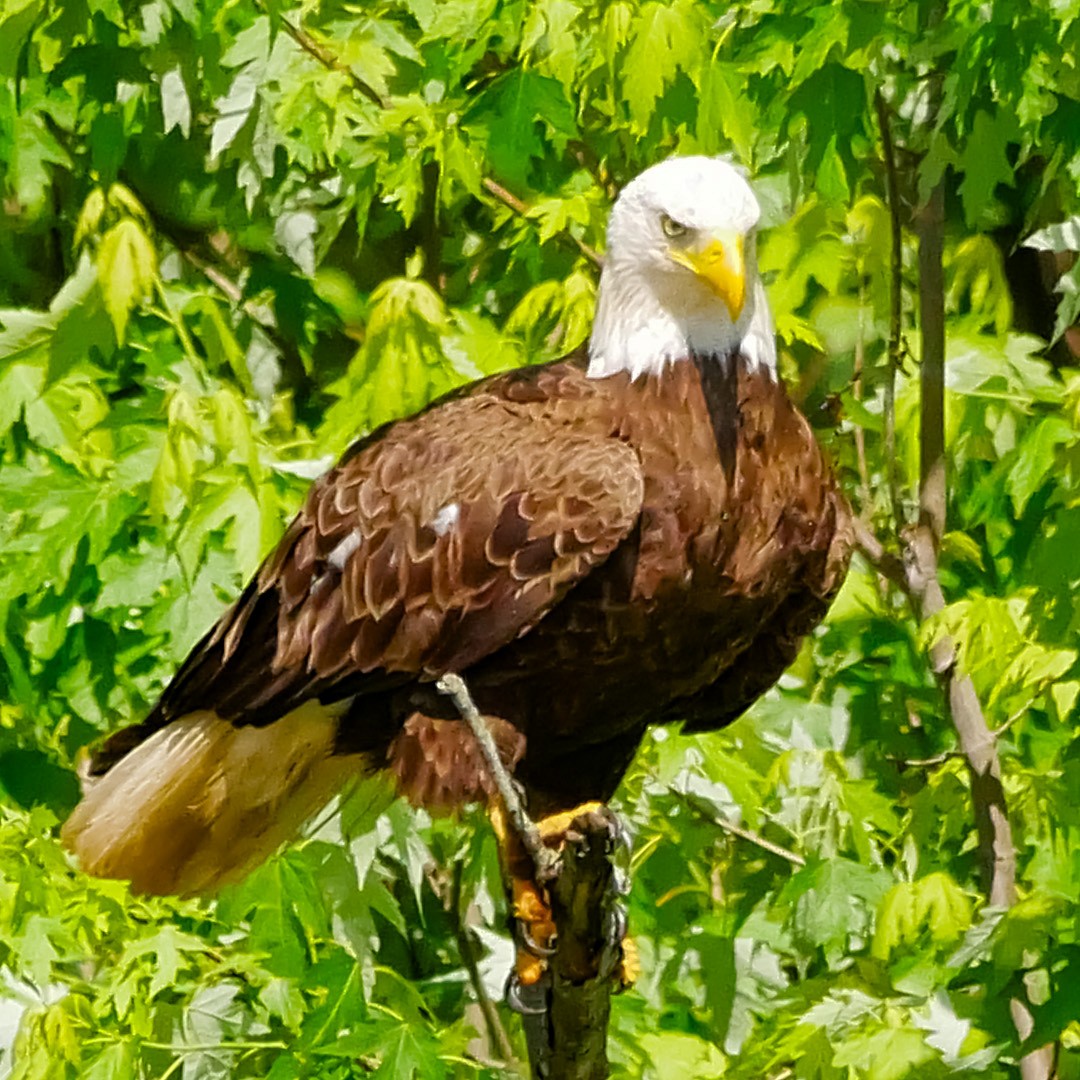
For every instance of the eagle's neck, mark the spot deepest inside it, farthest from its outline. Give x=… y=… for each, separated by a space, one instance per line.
x=636 y=332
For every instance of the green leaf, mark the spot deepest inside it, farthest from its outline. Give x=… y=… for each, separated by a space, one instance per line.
x=888 y=1053
x=724 y=111
x=127 y=270
x=934 y=906
x=35 y=949
x=832 y=179
x=1036 y=457
x=117 y=1062
x=984 y=162
x=175 y=103
x=515 y=113
x=665 y=41
x=1064 y=236
x=675 y=1056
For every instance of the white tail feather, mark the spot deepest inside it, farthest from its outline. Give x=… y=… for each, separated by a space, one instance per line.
x=202 y=802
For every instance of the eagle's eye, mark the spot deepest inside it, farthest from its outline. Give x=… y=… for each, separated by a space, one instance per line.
x=672 y=228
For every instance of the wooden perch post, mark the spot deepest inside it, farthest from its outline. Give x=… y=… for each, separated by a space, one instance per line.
x=567 y=1040
x=566 y=1034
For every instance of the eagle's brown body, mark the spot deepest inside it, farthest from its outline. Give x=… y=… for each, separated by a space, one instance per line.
x=593 y=555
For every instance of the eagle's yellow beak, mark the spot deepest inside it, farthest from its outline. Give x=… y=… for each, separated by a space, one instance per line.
x=721 y=265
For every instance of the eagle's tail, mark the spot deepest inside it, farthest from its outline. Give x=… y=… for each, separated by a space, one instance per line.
x=201 y=801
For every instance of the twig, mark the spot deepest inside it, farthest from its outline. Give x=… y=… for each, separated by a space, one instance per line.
x=896 y=284
x=884 y=562
x=857 y=393
x=930 y=226
x=498 y=1039
x=737 y=830
x=329 y=60
x=923 y=763
x=753 y=838
x=1004 y=727
x=544 y=859
x=507 y=198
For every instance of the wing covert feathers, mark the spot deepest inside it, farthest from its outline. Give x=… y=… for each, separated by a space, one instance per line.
x=423 y=551
x=201 y=802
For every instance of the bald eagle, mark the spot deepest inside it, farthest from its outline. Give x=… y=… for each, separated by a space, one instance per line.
x=638 y=535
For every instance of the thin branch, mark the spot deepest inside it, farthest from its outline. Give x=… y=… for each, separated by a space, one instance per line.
x=329 y=60
x=566 y=1034
x=1004 y=727
x=930 y=226
x=498 y=1039
x=857 y=393
x=754 y=838
x=748 y=835
x=924 y=763
x=508 y=199
x=896 y=284
x=883 y=561
x=545 y=861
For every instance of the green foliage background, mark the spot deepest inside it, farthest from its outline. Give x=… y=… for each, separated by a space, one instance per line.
x=221 y=257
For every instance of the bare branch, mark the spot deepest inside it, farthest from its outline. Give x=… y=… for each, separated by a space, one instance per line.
x=545 y=861
x=896 y=328
x=566 y=1035
x=508 y=199
x=329 y=60
x=752 y=837
x=748 y=835
x=498 y=1039
x=996 y=854
x=883 y=561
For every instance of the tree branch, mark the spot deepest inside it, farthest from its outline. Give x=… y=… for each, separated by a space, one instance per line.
x=568 y=1040
x=498 y=1040
x=997 y=857
x=329 y=59
x=896 y=327
x=508 y=199
x=748 y=835
x=545 y=861
x=997 y=853
x=930 y=226
x=567 y=1035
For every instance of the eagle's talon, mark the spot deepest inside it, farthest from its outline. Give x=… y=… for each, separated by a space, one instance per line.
x=527 y=999
x=617 y=925
x=622 y=842
x=531 y=945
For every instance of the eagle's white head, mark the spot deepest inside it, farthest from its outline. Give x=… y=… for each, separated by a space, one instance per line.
x=680 y=275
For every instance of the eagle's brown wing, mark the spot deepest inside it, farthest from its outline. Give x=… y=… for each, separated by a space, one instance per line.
x=432 y=544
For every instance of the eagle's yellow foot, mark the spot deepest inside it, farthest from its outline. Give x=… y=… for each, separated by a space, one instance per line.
x=553 y=829
x=534 y=924
x=629 y=970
